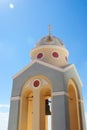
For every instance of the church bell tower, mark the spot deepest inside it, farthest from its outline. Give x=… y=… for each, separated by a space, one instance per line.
x=47 y=89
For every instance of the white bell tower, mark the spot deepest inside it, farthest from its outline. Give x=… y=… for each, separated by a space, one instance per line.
x=48 y=86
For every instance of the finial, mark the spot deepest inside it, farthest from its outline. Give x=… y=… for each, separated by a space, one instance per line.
x=49 y=36
x=50 y=29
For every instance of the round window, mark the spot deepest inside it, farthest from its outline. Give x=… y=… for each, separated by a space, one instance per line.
x=55 y=54
x=66 y=58
x=36 y=83
x=40 y=55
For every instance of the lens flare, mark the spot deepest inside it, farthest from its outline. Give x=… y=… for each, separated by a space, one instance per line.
x=11 y=5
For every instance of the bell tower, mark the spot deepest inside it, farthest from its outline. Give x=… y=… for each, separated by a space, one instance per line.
x=48 y=87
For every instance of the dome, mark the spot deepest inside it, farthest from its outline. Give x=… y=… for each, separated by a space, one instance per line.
x=50 y=40
x=51 y=50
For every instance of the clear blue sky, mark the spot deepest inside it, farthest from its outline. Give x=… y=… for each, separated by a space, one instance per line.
x=22 y=26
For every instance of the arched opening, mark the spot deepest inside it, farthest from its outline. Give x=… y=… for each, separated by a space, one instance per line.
x=26 y=111
x=48 y=113
x=73 y=106
x=30 y=112
x=45 y=108
x=35 y=98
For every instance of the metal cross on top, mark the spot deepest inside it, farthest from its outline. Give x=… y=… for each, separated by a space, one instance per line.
x=50 y=29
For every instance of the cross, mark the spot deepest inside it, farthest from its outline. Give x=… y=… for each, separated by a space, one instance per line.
x=50 y=29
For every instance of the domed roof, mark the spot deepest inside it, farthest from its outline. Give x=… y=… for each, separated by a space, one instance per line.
x=50 y=40
x=51 y=50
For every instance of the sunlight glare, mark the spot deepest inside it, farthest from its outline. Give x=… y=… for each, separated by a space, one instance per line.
x=11 y=5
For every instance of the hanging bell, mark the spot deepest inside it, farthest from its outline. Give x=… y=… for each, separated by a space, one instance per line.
x=47 y=107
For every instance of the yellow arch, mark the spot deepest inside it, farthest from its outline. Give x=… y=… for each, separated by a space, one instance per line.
x=31 y=97
x=73 y=106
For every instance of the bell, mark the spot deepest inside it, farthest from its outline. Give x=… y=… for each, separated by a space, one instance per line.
x=47 y=107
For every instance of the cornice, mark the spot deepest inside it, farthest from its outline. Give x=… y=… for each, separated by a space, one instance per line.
x=64 y=69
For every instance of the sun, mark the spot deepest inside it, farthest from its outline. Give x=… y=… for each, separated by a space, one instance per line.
x=11 y=5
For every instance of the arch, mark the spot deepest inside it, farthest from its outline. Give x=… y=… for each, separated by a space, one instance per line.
x=73 y=106
x=31 y=102
x=45 y=95
x=26 y=105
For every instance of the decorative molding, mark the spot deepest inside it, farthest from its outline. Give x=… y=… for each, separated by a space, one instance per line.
x=60 y=93
x=33 y=62
x=80 y=101
x=48 y=65
x=28 y=84
x=24 y=69
x=15 y=98
x=78 y=75
x=44 y=82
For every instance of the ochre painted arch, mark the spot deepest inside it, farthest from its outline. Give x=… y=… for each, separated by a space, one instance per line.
x=74 y=112
x=31 y=101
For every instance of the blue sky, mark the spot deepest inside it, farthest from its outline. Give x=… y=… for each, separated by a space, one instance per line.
x=22 y=26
